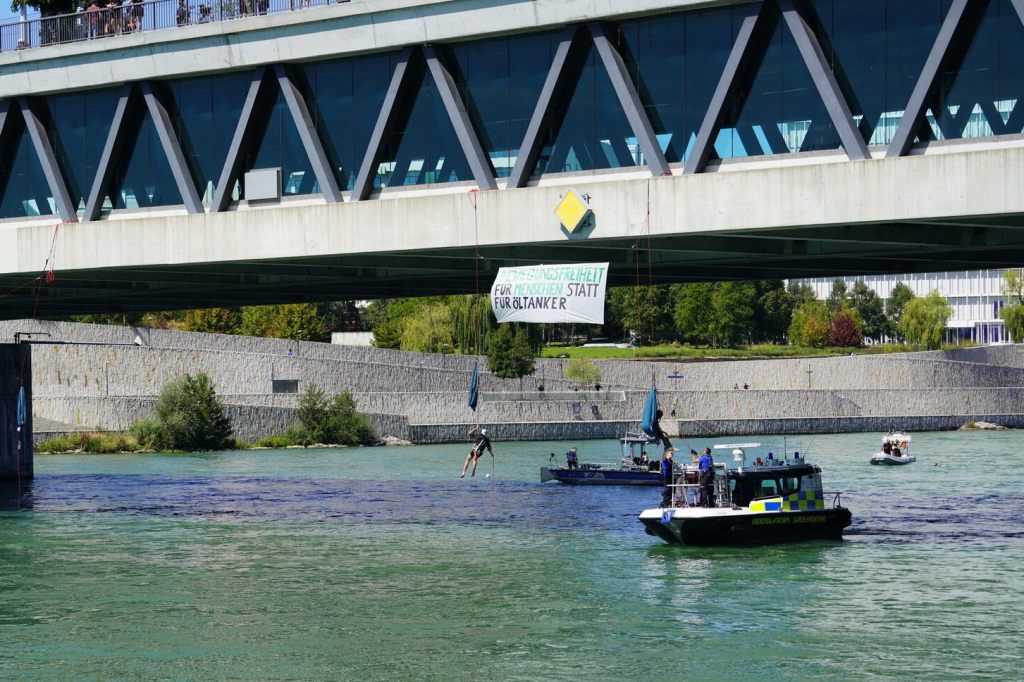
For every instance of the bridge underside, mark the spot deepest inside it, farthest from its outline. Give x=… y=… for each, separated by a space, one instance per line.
x=906 y=247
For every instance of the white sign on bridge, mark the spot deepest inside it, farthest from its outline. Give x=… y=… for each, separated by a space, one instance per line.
x=550 y=293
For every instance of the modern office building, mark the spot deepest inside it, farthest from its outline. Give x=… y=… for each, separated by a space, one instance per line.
x=974 y=296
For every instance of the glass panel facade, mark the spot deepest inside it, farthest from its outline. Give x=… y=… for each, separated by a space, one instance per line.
x=500 y=81
x=205 y=114
x=347 y=95
x=591 y=132
x=281 y=147
x=981 y=98
x=145 y=180
x=781 y=111
x=876 y=47
x=25 y=192
x=78 y=126
x=424 y=149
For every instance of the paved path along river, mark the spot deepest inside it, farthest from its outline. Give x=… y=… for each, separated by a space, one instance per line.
x=381 y=564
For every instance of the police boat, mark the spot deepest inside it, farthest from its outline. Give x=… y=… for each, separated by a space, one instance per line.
x=634 y=467
x=895 y=449
x=755 y=502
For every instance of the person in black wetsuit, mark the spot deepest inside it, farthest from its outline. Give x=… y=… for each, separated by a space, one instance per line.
x=659 y=434
x=482 y=443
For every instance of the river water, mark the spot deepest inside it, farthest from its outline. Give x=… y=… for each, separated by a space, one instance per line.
x=369 y=564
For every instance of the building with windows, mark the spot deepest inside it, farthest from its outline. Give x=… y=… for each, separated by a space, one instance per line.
x=973 y=295
x=373 y=149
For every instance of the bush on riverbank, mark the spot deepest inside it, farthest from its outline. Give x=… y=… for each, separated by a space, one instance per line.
x=189 y=417
x=329 y=421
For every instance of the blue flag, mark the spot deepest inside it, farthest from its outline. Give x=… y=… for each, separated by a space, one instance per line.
x=649 y=423
x=21 y=406
x=474 y=386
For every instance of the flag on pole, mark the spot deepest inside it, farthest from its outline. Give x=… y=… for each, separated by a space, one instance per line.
x=649 y=422
x=21 y=406
x=474 y=385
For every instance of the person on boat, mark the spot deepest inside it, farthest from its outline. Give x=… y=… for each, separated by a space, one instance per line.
x=482 y=443
x=707 y=478
x=659 y=433
x=887 y=447
x=571 y=461
x=666 y=479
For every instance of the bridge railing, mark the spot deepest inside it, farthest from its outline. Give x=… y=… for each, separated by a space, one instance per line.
x=115 y=19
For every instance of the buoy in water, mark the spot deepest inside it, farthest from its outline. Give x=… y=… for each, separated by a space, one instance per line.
x=487 y=475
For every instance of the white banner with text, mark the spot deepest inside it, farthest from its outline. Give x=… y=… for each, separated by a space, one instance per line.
x=550 y=293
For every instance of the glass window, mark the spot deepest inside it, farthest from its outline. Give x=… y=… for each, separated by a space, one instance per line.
x=78 y=125
x=878 y=48
x=789 y=485
x=766 y=488
x=206 y=112
x=282 y=148
x=979 y=92
x=25 y=192
x=146 y=179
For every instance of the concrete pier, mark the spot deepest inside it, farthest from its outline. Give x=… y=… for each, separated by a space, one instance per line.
x=15 y=439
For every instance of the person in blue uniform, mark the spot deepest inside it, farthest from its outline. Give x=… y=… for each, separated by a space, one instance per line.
x=666 y=479
x=482 y=443
x=706 y=464
x=571 y=461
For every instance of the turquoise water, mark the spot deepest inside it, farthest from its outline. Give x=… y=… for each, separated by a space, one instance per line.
x=380 y=563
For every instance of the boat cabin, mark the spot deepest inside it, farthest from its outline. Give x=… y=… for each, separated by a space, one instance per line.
x=764 y=483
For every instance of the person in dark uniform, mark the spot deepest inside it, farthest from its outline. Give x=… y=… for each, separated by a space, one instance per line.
x=666 y=479
x=571 y=461
x=659 y=434
x=482 y=443
x=706 y=464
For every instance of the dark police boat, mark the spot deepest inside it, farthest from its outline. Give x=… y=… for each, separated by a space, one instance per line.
x=760 y=502
x=633 y=469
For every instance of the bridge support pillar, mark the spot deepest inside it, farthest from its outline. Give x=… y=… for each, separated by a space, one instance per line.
x=15 y=412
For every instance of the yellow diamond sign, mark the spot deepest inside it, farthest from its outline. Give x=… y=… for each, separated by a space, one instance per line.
x=572 y=211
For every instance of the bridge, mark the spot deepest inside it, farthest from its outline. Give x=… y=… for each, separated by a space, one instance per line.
x=384 y=148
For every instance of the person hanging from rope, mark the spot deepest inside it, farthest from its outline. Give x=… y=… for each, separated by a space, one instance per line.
x=482 y=443
x=660 y=434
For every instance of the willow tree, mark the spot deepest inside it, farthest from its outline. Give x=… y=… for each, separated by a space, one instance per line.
x=924 y=319
x=471 y=322
x=1013 y=312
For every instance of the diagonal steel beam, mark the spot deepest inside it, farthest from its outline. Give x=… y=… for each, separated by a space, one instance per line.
x=629 y=98
x=562 y=76
x=311 y=142
x=119 y=126
x=48 y=160
x=172 y=149
x=390 y=111
x=253 y=116
x=747 y=50
x=928 y=81
x=479 y=163
x=824 y=80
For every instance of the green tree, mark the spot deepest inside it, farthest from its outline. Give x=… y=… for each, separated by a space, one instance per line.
x=212 y=320
x=471 y=322
x=298 y=321
x=333 y=422
x=773 y=311
x=869 y=308
x=312 y=407
x=694 y=315
x=509 y=355
x=429 y=330
x=733 y=306
x=810 y=325
x=583 y=372
x=256 y=320
x=837 y=297
x=387 y=334
x=340 y=316
x=799 y=293
x=643 y=310
x=190 y=416
x=924 y=319
x=1013 y=312
x=894 y=305
x=47 y=8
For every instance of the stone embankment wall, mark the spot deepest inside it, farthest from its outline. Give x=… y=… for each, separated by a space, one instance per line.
x=99 y=378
